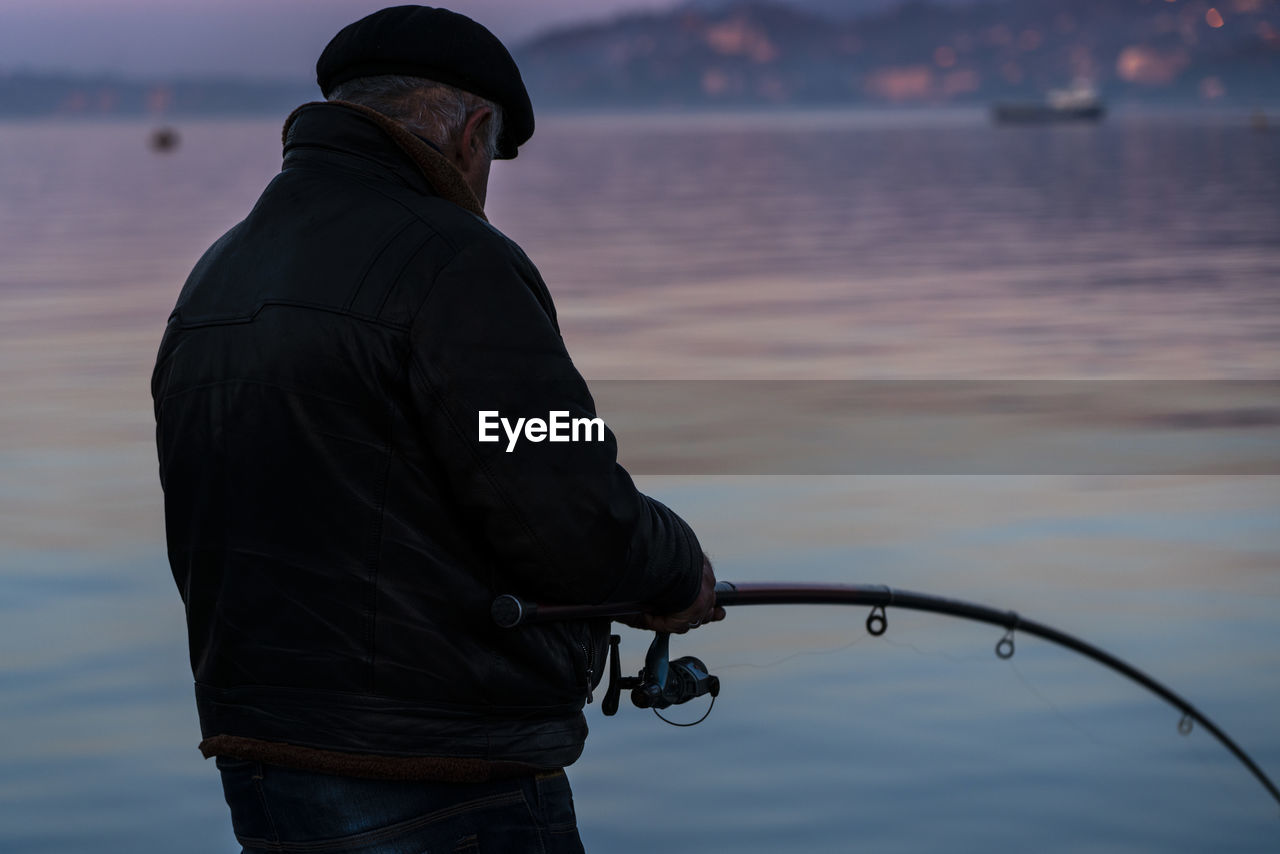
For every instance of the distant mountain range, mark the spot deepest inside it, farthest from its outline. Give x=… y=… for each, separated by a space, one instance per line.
x=713 y=53
x=760 y=53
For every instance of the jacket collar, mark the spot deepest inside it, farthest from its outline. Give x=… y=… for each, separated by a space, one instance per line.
x=441 y=176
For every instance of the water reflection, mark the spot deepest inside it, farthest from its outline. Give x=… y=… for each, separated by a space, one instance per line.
x=820 y=246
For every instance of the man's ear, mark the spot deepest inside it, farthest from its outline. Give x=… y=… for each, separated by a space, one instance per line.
x=472 y=145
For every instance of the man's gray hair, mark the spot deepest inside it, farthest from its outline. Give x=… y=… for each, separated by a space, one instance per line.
x=433 y=110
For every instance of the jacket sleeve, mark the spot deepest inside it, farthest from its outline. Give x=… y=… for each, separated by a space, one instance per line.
x=566 y=521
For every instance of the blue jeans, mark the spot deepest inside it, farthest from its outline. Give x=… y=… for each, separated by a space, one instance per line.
x=280 y=809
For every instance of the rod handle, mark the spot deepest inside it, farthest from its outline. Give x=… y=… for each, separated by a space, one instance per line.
x=509 y=611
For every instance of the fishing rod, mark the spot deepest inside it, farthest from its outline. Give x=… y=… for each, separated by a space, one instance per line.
x=662 y=683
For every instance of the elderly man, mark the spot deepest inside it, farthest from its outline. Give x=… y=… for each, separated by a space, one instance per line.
x=338 y=521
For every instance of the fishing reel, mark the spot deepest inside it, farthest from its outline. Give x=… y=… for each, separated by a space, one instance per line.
x=661 y=683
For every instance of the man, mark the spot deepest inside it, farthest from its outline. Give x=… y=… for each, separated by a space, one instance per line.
x=337 y=524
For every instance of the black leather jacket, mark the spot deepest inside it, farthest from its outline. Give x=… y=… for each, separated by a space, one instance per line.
x=335 y=527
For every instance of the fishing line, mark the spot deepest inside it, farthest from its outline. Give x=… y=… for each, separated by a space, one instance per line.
x=705 y=715
x=801 y=654
x=933 y=653
x=1054 y=706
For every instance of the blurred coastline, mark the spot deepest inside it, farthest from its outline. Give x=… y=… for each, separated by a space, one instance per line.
x=726 y=54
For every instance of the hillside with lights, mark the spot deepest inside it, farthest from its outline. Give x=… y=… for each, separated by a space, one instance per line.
x=804 y=53
x=1170 y=51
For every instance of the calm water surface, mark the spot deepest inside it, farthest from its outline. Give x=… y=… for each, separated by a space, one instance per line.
x=822 y=246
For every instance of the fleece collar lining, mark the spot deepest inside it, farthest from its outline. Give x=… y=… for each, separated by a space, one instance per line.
x=445 y=178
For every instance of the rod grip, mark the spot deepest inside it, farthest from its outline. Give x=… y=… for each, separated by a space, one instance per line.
x=510 y=611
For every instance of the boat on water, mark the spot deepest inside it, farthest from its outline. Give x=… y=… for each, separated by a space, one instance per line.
x=1080 y=104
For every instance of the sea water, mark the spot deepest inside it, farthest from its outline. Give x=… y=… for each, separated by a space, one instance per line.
x=845 y=250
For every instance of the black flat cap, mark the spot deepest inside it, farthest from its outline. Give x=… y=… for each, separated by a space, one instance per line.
x=419 y=41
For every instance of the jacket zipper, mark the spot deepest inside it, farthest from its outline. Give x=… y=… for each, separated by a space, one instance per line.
x=586 y=655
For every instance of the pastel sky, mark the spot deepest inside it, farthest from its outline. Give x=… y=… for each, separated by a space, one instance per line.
x=265 y=38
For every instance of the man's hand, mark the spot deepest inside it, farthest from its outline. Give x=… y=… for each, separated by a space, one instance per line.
x=703 y=610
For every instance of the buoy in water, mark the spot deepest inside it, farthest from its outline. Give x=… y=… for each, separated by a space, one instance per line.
x=164 y=139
